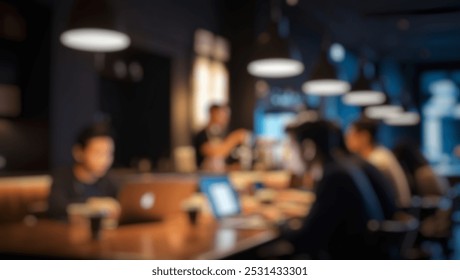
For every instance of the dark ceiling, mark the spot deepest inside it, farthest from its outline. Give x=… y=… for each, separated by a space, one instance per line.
x=413 y=30
x=407 y=30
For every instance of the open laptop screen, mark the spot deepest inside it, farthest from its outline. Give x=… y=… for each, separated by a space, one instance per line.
x=221 y=195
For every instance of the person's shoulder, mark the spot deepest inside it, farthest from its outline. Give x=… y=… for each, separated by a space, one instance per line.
x=364 y=164
x=200 y=136
x=382 y=155
x=110 y=178
x=336 y=182
x=372 y=172
x=381 y=150
x=334 y=168
x=336 y=173
x=110 y=182
x=62 y=174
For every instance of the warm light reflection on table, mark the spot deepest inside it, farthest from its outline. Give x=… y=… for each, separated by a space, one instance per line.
x=174 y=238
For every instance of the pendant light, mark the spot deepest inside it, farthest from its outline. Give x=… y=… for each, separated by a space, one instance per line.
x=385 y=110
x=274 y=57
x=407 y=118
x=92 y=27
x=361 y=93
x=382 y=111
x=323 y=81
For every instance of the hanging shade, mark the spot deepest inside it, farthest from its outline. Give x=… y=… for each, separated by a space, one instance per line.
x=274 y=57
x=363 y=98
x=408 y=118
x=385 y=110
x=361 y=94
x=382 y=111
x=323 y=81
x=93 y=27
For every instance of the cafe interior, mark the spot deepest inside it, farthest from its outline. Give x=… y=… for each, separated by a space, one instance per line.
x=229 y=129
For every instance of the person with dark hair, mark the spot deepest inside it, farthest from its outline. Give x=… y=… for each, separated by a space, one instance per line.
x=422 y=178
x=93 y=155
x=361 y=138
x=213 y=144
x=349 y=193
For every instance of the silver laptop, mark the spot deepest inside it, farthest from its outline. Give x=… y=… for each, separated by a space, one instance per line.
x=153 y=201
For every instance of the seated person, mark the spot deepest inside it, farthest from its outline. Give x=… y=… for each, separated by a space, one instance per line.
x=349 y=193
x=422 y=178
x=361 y=138
x=93 y=156
x=213 y=143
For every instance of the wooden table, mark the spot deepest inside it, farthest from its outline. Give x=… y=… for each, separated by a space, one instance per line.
x=174 y=238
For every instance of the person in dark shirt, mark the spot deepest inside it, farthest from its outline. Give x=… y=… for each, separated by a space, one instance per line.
x=349 y=193
x=423 y=180
x=93 y=156
x=213 y=142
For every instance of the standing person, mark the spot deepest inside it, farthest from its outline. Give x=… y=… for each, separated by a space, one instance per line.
x=93 y=155
x=213 y=145
x=361 y=139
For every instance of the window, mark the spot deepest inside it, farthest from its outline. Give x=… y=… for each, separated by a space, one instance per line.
x=441 y=118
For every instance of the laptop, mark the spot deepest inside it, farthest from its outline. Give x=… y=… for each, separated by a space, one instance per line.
x=225 y=204
x=152 y=201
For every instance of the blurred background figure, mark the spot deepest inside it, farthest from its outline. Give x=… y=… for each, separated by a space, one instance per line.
x=361 y=139
x=457 y=151
x=421 y=176
x=349 y=193
x=436 y=200
x=93 y=156
x=214 y=145
x=292 y=159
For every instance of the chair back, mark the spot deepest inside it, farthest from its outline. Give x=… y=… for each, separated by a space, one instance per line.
x=393 y=239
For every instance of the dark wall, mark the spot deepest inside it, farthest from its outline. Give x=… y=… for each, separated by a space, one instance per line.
x=74 y=96
x=139 y=109
x=241 y=22
x=24 y=145
x=159 y=27
x=24 y=62
x=238 y=26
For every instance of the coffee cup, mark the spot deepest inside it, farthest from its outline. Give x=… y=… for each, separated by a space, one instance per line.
x=192 y=207
x=95 y=221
